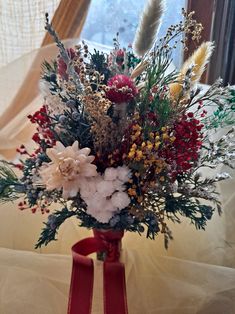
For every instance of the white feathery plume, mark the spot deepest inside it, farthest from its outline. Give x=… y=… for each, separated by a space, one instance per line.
x=148 y=26
x=199 y=58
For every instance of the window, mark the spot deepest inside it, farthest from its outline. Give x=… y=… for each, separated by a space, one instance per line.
x=107 y=17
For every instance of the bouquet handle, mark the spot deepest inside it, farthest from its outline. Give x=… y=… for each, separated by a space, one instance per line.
x=81 y=287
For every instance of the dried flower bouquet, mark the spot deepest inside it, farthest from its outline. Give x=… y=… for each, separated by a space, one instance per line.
x=121 y=142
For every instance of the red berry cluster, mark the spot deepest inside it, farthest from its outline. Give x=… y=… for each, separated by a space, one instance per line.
x=22 y=150
x=44 y=132
x=23 y=205
x=184 y=151
x=40 y=117
x=202 y=112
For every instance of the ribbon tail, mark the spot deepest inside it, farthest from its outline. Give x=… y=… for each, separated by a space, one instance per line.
x=81 y=288
x=115 y=300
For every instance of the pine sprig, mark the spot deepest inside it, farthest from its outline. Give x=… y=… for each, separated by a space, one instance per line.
x=156 y=78
x=10 y=186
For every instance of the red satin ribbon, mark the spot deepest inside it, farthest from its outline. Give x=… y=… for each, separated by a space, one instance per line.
x=81 y=287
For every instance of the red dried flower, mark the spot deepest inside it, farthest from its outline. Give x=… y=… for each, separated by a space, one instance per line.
x=120 y=57
x=62 y=67
x=121 y=89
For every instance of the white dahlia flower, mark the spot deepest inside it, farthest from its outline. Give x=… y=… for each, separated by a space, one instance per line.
x=69 y=168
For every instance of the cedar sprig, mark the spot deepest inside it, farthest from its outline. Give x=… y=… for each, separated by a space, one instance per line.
x=55 y=220
x=10 y=186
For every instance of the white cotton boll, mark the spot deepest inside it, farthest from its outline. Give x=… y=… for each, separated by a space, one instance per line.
x=101 y=209
x=120 y=200
x=88 y=188
x=123 y=173
x=118 y=185
x=110 y=174
x=102 y=216
x=109 y=206
x=95 y=202
x=105 y=188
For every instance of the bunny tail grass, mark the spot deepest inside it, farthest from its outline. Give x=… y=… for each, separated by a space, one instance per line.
x=148 y=26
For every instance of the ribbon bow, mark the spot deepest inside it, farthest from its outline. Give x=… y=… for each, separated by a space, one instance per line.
x=81 y=287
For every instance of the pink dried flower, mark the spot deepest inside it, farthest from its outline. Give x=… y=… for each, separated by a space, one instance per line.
x=121 y=89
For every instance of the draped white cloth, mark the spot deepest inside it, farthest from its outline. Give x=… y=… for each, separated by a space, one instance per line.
x=195 y=275
x=182 y=280
x=22 y=26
